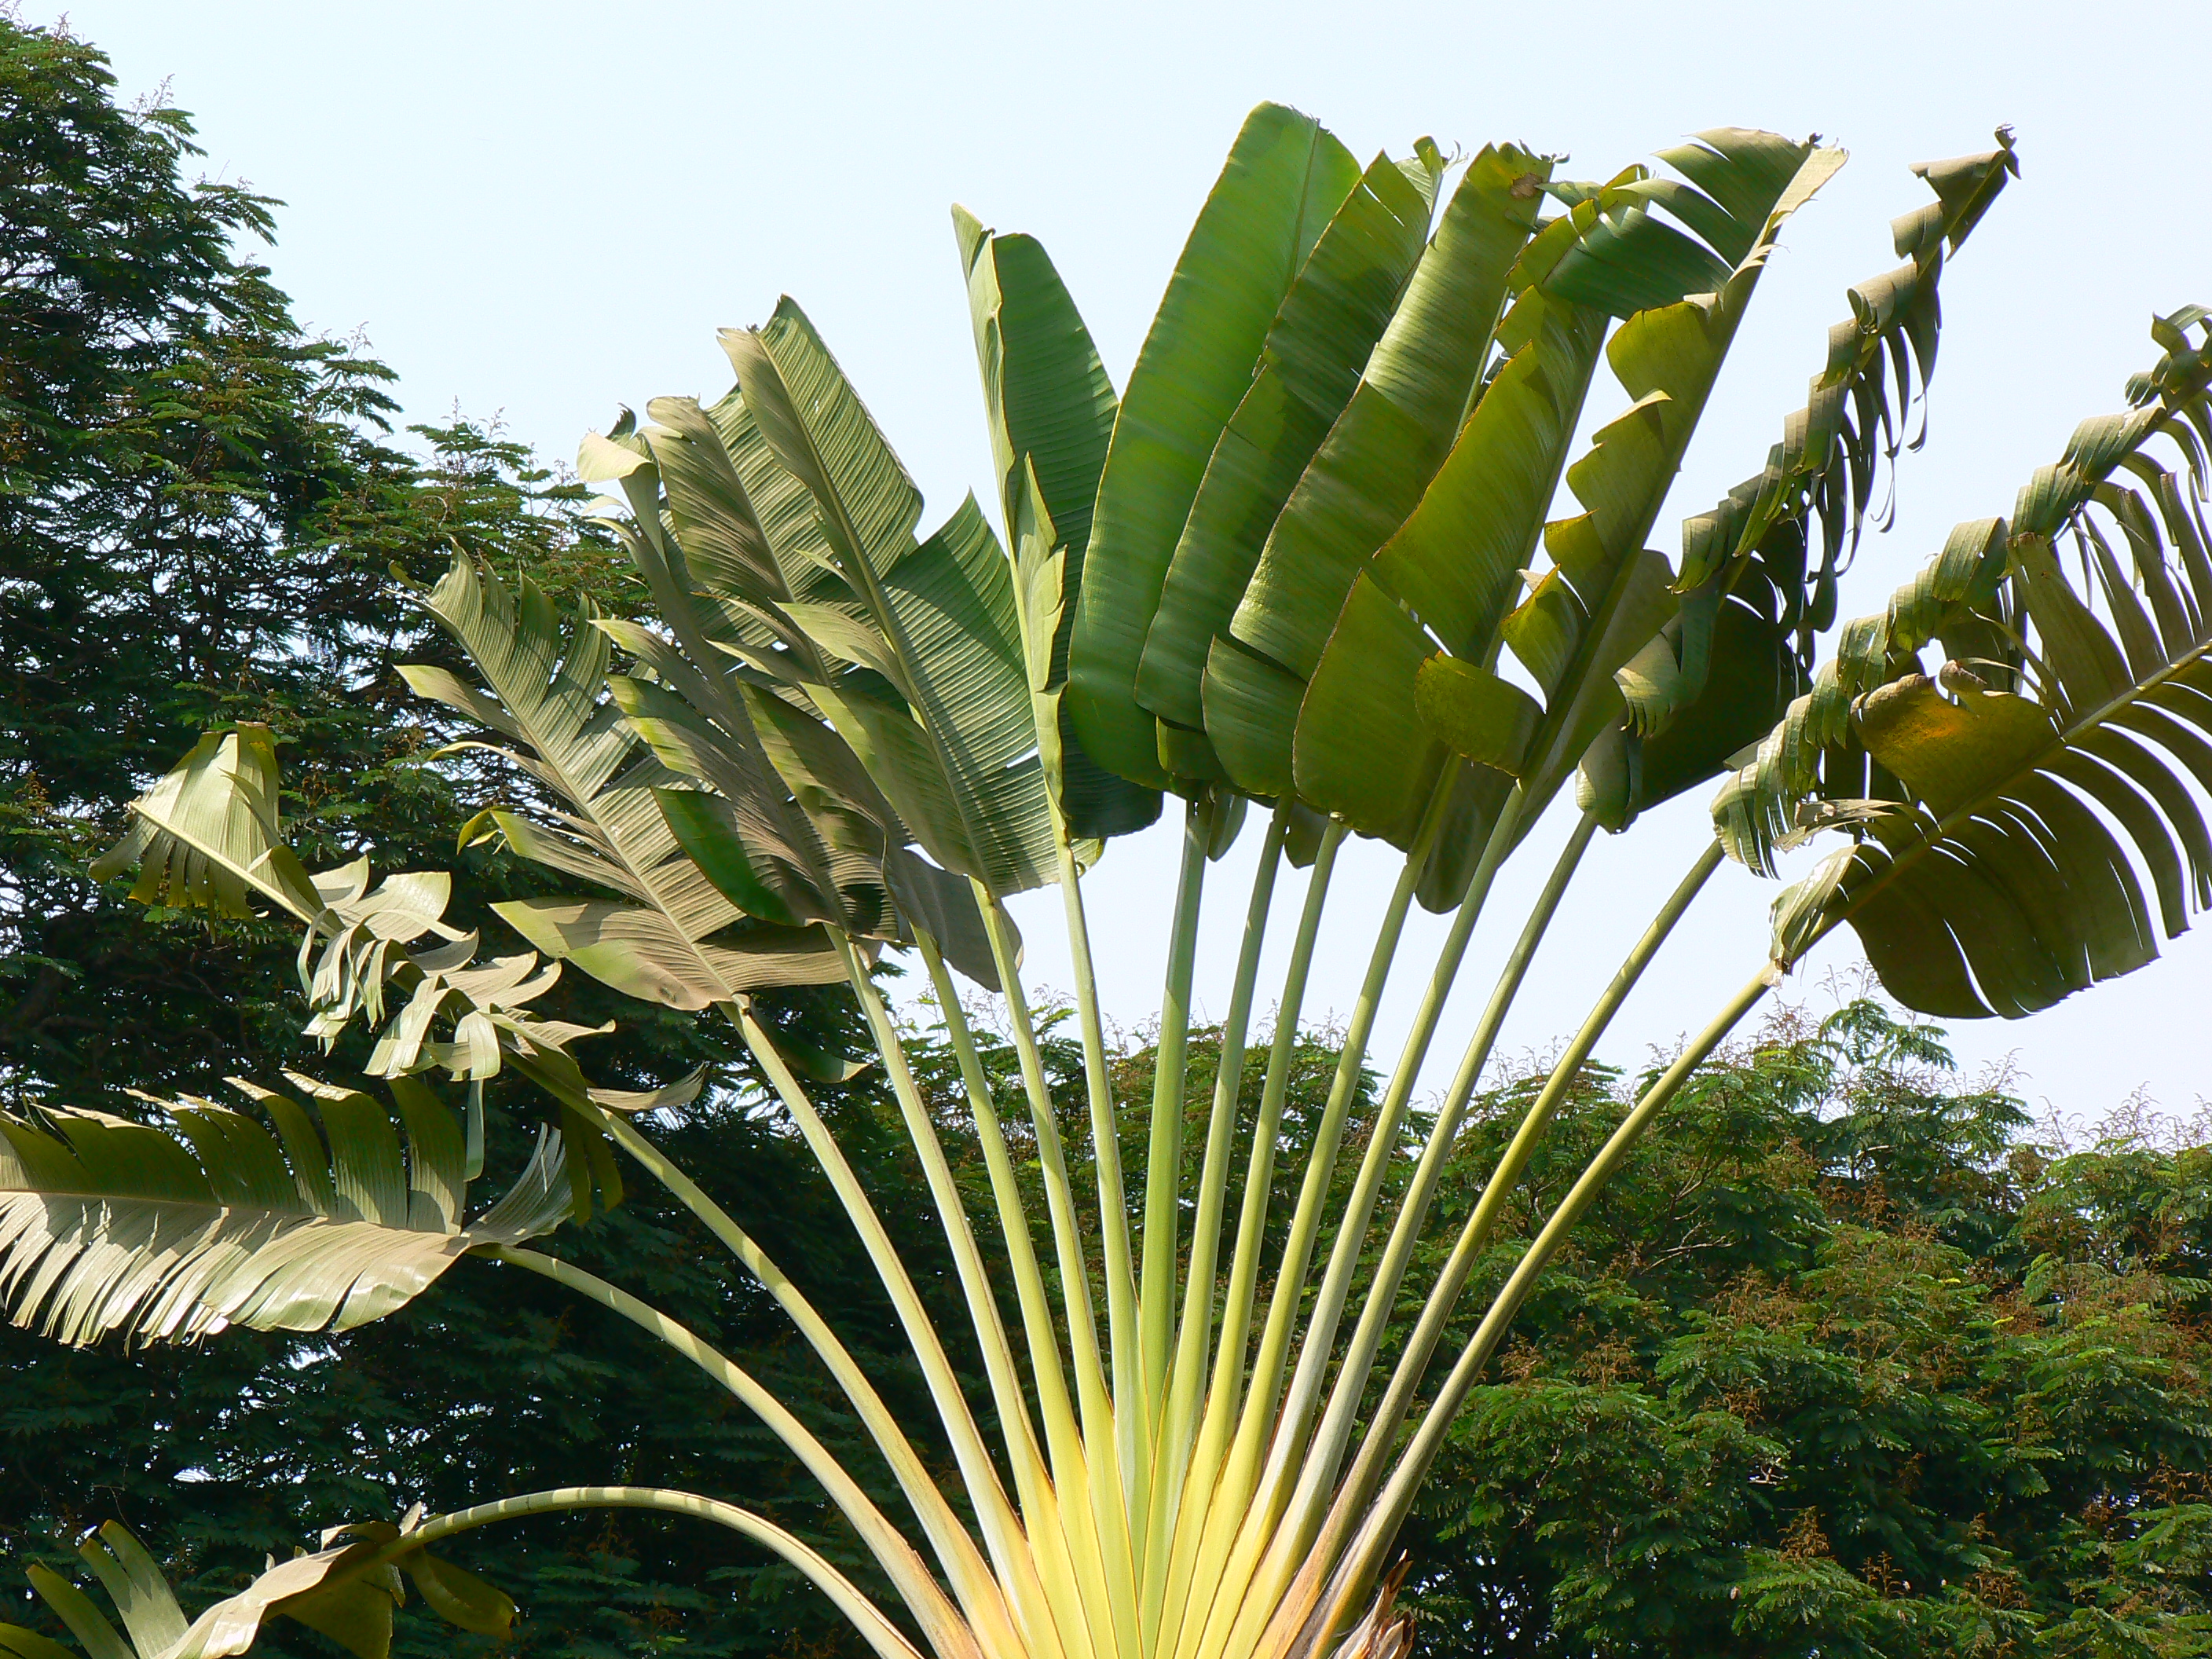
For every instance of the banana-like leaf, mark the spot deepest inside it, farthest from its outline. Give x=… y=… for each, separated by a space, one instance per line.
x=153 y=1623
x=951 y=738
x=1285 y=178
x=816 y=429
x=1455 y=563
x=18 y=1642
x=1050 y=408
x=208 y=834
x=107 y=1225
x=340 y=1590
x=789 y=826
x=347 y=1591
x=672 y=935
x=1414 y=394
x=1447 y=576
x=640 y=953
x=1722 y=671
x=2011 y=806
x=1309 y=367
x=365 y=934
x=952 y=604
x=211 y=834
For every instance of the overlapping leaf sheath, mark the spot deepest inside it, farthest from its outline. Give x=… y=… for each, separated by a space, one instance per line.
x=2009 y=808
x=107 y=1225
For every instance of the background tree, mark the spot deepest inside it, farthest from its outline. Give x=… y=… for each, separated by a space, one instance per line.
x=1849 y=1360
x=200 y=510
x=200 y=514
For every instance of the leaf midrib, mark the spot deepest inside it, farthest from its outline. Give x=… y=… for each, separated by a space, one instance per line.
x=217 y=1211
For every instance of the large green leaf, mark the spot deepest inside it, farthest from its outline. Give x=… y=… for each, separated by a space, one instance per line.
x=1050 y=408
x=1759 y=583
x=835 y=853
x=637 y=951
x=953 y=605
x=1285 y=178
x=951 y=736
x=2010 y=806
x=1448 y=577
x=1309 y=367
x=347 y=1591
x=545 y=688
x=786 y=824
x=815 y=425
x=1382 y=450
x=107 y=1225
x=210 y=833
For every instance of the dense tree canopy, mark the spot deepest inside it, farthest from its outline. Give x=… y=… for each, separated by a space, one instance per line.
x=1850 y=1361
x=200 y=513
x=202 y=508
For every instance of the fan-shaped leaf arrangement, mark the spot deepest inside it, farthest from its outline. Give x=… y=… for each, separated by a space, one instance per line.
x=1307 y=560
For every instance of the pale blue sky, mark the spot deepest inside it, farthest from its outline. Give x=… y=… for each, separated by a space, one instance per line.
x=537 y=210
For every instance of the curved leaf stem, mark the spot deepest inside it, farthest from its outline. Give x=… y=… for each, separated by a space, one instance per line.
x=963 y=1561
x=1287 y=1506
x=1195 y=1511
x=999 y=1368
x=1232 y=1564
x=920 y=1593
x=1179 y=1419
x=881 y=1635
x=1059 y=1517
x=1156 y=1297
x=1382 y=1431
x=1032 y=1485
x=1001 y=1527
x=1110 y=1515
x=1306 y=1614
x=1324 y=1455
x=1105 y=1133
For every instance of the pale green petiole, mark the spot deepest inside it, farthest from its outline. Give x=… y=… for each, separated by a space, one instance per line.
x=893 y=1553
x=1360 y=1562
x=882 y=1636
x=1179 y=1420
x=955 y=1549
x=1195 y=1509
x=1156 y=1297
x=1074 y=1538
x=1325 y=1453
